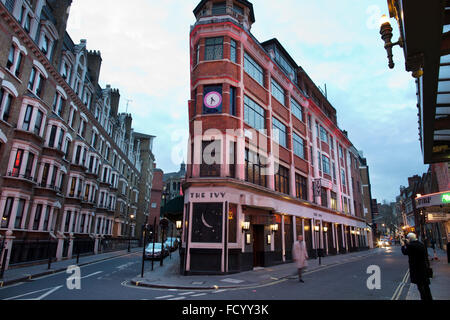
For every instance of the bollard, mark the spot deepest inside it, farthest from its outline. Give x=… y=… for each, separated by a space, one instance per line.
x=2 y=270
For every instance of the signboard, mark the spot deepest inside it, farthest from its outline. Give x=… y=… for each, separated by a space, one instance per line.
x=435 y=199
x=317 y=186
x=436 y=217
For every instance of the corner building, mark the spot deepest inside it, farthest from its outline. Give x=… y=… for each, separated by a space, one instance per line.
x=72 y=169
x=267 y=161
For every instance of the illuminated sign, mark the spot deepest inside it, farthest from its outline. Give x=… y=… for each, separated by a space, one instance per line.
x=446 y=198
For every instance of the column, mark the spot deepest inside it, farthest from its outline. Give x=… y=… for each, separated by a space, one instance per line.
x=283 y=240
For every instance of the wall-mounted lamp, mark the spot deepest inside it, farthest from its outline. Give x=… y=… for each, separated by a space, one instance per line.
x=306 y=228
x=269 y=239
x=178 y=224
x=248 y=239
x=274 y=227
x=325 y=229
x=245 y=226
x=316 y=228
x=386 y=36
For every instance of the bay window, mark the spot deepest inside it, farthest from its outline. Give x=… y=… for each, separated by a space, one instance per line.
x=214 y=48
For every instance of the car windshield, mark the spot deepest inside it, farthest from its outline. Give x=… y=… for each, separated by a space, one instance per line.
x=157 y=246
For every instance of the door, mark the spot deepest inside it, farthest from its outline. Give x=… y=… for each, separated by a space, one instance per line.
x=258 y=245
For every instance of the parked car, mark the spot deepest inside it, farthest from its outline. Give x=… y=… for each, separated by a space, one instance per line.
x=172 y=243
x=158 y=251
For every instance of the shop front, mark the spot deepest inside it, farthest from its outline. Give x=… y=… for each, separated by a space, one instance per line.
x=228 y=230
x=435 y=213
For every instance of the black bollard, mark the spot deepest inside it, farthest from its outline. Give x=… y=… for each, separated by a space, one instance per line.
x=48 y=253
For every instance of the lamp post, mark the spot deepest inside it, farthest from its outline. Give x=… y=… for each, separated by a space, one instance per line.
x=317 y=229
x=129 y=232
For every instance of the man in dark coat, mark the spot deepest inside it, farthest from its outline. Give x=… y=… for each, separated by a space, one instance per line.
x=418 y=265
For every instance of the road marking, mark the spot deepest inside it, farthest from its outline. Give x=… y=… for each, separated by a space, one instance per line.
x=165 y=297
x=52 y=289
x=92 y=274
x=399 y=289
x=219 y=291
x=179 y=298
x=199 y=294
x=186 y=293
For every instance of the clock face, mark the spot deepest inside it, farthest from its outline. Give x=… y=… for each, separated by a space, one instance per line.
x=213 y=100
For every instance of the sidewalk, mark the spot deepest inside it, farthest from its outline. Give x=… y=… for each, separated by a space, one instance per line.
x=440 y=283
x=15 y=275
x=168 y=277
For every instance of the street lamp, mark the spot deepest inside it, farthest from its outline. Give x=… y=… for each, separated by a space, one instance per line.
x=129 y=232
x=386 y=36
x=317 y=229
x=179 y=225
x=245 y=226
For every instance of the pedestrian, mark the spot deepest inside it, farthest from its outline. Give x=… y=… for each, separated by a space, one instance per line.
x=418 y=265
x=433 y=246
x=300 y=255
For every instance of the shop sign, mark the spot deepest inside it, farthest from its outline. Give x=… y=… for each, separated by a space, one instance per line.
x=208 y=195
x=445 y=198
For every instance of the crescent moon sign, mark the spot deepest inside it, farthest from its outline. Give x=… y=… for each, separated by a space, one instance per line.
x=205 y=223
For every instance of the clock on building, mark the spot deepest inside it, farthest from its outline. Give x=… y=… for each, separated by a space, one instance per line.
x=213 y=99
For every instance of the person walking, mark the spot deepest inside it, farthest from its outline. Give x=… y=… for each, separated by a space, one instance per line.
x=433 y=246
x=418 y=265
x=300 y=255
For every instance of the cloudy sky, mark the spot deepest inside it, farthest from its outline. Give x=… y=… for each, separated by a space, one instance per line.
x=145 y=49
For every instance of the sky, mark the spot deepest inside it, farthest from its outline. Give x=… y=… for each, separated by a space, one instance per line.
x=144 y=45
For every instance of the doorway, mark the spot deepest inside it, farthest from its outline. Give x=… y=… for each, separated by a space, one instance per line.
x=258 y=245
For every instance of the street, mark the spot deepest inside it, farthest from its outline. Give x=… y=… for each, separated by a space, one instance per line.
x=109 y=280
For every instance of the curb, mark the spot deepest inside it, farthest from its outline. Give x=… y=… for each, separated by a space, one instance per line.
x=45 y=273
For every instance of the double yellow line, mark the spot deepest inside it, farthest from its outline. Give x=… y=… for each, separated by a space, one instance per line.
x=400 y=287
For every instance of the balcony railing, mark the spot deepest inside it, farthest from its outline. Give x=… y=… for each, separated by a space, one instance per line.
x=21 y=176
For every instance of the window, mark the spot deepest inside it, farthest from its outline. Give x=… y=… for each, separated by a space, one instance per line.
x=278 y=92
x=7 y=212
x=319 y=157
x=323 y=135
x=255 y=168
x=309 y=122
x=46 y=218
x=279 y=132
x=197 y=53
x=299 y=146
x=58 y=105
x=5 y=104
x=45 y=45
x=286 y=66
x=343 y=177
x=254 y=115
x=17 y=163
x=29 y=167
x=282 y=180
x=78 y=155
x=211 y=159
x=38 y=123
x=36 y=82
x=233 y=101
x=341 y=153
x=326 y=164
x=311 y=155
x=27 y=118
x=214 y=48
x=333 y=200
x=219 y=8
x=45 y=175
x=232 y=223
x=334 y=172
x=324 y=197
x=60 y=140
x=233 y=51
x=301 y=187
x=232 y=159
x=14 y=63
x=51 y=141
x=253 y=69
x=19 y=214
x=238 y=9
x=296 y=110
x=37 y=217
